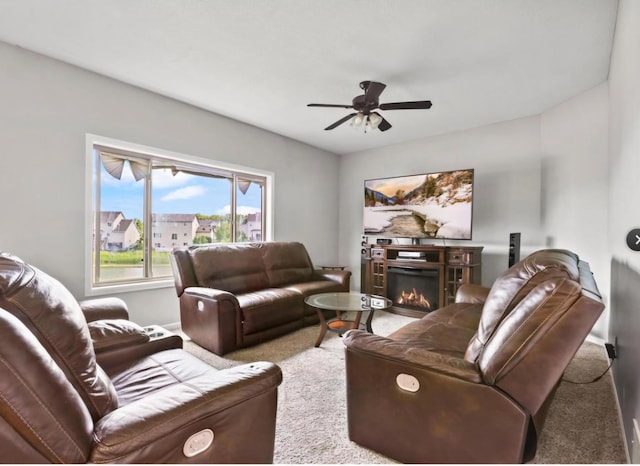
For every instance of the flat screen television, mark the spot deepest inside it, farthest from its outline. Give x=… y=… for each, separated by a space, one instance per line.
x=429 y=205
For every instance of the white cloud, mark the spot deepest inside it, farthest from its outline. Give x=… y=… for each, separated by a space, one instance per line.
x=187 y=192
x=165 y=179
x=242 y=210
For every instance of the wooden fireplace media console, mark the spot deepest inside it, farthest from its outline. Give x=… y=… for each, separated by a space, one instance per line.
x=419 y=278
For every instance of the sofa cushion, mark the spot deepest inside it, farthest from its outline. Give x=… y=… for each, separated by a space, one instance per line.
x=286 y=263
x=314 y=287
x=265 y=309
x=236 y=268
x=516 y=283
x=445 y=331
x=160 y=370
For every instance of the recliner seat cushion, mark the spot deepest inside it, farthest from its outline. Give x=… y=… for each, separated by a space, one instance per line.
x=53 y=315
x=314 y=287
x=158 y=371
x=265 y=309
x=447 y=332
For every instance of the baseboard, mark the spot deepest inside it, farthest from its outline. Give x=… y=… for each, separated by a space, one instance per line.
x=601 y=342
x=620 y=420
x=596 y=340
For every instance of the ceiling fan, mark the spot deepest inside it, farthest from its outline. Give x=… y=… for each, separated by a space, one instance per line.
x=365 y=104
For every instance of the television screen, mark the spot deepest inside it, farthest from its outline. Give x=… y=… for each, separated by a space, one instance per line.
x=429 y=205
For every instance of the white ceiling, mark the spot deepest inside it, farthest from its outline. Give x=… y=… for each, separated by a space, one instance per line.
x=262 y=61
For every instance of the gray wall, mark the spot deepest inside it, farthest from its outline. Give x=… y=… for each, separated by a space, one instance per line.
x=46 y=109
x=575 y=187
x=624 y=199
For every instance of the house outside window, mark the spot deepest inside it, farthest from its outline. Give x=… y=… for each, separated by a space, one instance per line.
x=139 y=192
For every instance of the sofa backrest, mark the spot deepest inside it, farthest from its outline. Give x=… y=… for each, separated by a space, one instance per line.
x=54 y=317
x=515 y=284
x=241 y=267
x=286 y=262
x=233 y=267
x=42 y=417
x=549 y=304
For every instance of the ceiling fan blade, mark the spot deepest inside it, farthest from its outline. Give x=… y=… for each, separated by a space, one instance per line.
x=340 y=121
x=384 y=125
x=374 y=89
x=422 y=104
x=330 y=105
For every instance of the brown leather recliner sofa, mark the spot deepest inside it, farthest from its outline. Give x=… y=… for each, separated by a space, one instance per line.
x=472 y=382
x=234 y=295
x=106 y=391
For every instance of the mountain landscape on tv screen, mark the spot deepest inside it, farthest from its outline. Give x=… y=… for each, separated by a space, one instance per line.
x=435 y=205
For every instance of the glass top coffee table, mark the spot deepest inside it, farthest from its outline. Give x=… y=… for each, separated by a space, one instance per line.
x=345 y=302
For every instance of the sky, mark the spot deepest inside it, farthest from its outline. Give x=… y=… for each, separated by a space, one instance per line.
x=179 y=194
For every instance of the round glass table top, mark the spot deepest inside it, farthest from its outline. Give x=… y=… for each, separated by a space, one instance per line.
x=351 y=301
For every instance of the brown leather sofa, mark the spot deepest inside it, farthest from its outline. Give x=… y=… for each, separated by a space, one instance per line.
x=107 y=391
x=234 y=295
x=472 y=382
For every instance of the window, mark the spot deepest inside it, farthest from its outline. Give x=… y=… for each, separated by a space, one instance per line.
x=140 y=192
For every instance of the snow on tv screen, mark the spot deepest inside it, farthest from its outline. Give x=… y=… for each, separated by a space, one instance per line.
x=430 y=205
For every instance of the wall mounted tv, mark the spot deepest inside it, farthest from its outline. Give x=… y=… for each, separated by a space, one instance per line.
x=429 y=205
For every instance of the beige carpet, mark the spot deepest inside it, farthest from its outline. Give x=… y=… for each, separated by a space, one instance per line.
x=582 y=426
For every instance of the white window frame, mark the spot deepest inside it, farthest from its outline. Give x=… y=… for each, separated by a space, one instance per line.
x=90 y=141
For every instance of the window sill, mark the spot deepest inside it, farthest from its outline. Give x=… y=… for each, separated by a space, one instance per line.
x=128 y=287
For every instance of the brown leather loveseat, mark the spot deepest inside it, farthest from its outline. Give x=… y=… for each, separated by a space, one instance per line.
x=472 y=382
x=106 y=392
x=234 y=295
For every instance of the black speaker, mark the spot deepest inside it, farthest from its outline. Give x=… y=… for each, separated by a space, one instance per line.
x=365 y=264
x=514 y=248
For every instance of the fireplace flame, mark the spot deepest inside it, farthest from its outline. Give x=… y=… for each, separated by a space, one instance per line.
x=413 y=298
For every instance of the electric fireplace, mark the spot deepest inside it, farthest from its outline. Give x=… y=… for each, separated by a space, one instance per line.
x=414 y=289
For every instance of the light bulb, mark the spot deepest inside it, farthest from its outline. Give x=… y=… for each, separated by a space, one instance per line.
x=357 y=120
x=374 y=120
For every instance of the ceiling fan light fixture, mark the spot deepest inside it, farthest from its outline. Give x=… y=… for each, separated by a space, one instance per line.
x=374 y=120
x=357 y=120
x=364 y=106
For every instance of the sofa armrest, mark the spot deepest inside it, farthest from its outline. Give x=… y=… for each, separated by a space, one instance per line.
x=236 y=403
x=210 y=294
x=104 y=308
x=118 y=341
x=109 y=334
x=421 y=407
x=377 y=346
x=471 y=293
x=343 y=277
x=212 y=318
